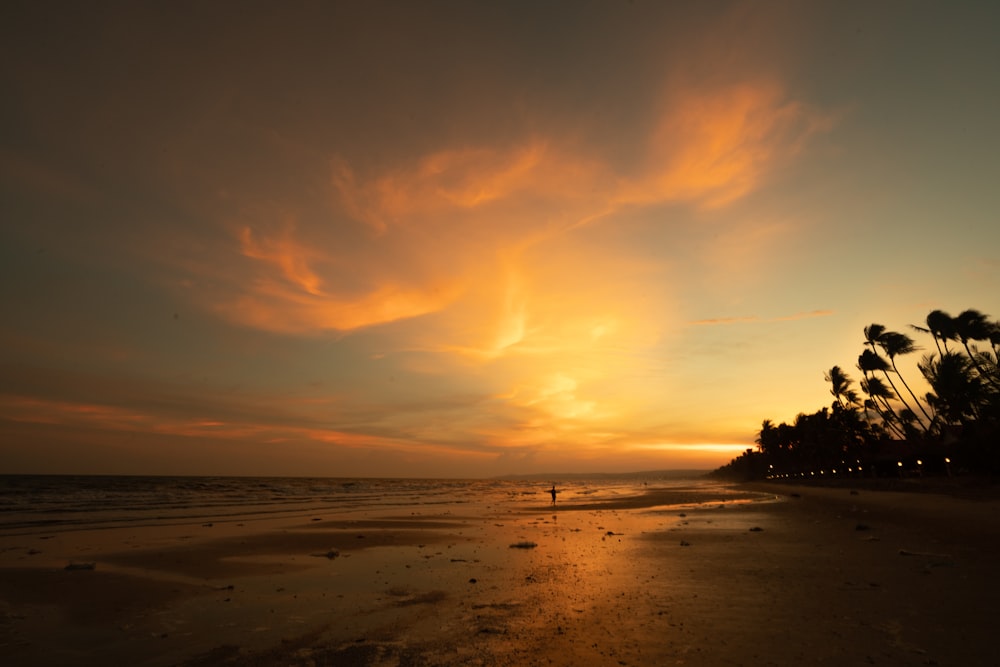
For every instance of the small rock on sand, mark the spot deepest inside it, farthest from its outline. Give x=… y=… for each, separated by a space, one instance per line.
x=81 y=566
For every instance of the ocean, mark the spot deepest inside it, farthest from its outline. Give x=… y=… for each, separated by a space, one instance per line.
x=52 y=503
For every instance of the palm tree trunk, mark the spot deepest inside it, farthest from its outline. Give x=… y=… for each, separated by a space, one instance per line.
x=979 y=369
x=889 y=418
x=900 y=396
x=892 y=360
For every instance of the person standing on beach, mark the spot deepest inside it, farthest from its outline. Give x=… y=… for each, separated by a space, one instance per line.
x=553 y=492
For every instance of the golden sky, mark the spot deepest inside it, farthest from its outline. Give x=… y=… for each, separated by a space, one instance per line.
x=472 y=239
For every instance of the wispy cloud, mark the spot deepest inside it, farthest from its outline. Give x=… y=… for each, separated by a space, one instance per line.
x=496 y=257
x=102 y=417
x=518 y=282
x=805 y=316
x=714 y=147
x=715 y=321
x=370 y=243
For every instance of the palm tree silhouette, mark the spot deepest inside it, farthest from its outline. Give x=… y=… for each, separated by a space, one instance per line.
x=841 y=387
x=957 y=391
x=880 y=396
x=962 y=404
x=876 y=336
x=894 y=343
x=973 y=325
x=941 y=326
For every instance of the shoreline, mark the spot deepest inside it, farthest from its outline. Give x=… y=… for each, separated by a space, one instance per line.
x=766 y=573
x=971 y=488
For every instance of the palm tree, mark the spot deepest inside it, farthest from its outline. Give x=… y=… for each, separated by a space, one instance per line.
x=973 y=325
x=877 y=428
x=894 y=343
x=994 y=338
x=872 y=333
x=957 y=389
x=869 y=363
x=941 y=326
x=991 y=359
x=841 y=389
x=880 y=395
x=767 y=438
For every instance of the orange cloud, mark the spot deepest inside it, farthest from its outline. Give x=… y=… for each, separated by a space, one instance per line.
x=31 y=410
x=46 y=411
x=455 y=222
x=511 y=258
x=714 y=147
x=453 y=181
x=286 y=254
x=274 y=307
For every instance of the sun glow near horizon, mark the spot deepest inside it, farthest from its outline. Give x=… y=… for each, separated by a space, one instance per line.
x=471 y=258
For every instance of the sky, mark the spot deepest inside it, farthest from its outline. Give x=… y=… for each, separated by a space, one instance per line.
x=462 y=239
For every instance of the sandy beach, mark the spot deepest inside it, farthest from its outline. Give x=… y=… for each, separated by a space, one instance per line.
x=752 y=575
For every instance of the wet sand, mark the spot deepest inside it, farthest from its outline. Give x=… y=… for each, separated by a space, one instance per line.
x=777 y=575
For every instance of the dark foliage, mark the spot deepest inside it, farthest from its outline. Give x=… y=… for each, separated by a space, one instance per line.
x=954 y=428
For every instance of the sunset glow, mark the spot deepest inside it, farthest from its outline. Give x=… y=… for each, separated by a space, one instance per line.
x=473 y=240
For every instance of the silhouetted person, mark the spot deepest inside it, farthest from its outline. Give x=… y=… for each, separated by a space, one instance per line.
x=553 y=492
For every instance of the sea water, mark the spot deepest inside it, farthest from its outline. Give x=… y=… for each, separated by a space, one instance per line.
x=50 y=503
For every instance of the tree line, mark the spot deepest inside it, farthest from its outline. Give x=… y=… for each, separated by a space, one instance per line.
x=887 y=428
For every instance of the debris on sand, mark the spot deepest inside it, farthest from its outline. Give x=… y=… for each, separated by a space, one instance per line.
x=331 y=554
x=523 y=545
x=81 y=566
x=756 y=529
x=685 y=543
x=937 y=560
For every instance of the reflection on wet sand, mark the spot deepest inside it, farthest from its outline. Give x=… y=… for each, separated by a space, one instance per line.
x=699 y=574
